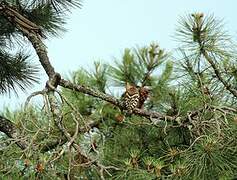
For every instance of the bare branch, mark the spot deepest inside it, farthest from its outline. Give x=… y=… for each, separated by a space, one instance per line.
x=111 y=99
x=42 y=53
x=9 y=128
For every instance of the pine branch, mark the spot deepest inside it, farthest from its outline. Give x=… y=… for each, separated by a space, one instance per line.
x=16 y=71
x=52 y=144
x=204 y=36
x=43 y=57
x=49 y=69
x=59 y=5
x=111 y=99
x=40 y=49
x=42 y=53
x=10 y=129
x=21 y=22
x=218 y=74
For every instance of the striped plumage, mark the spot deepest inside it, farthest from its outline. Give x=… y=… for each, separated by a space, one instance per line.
x=131 y=97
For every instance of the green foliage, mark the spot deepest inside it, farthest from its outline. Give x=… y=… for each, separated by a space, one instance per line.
x=59 y=6
x=215 y=163
x=203 y=36
x=15 y=71
x=84 y=103
x=203 y=30
x=138 y=66
x=196 y=146
x=199 y=143
x=6 y=32
x=48 y=15
x=99 y=76
x=49 y=20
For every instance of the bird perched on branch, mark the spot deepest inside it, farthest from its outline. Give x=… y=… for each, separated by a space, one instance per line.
x=131 y=97
x=135 y=97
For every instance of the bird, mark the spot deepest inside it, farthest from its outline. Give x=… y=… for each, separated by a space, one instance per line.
x=131 y=97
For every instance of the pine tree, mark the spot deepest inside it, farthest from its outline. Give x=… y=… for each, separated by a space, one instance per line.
x=184 y=126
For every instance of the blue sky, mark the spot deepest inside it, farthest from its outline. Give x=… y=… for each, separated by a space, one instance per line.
x=101 y=29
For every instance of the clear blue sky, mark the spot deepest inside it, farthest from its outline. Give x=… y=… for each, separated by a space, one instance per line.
x=103 y=28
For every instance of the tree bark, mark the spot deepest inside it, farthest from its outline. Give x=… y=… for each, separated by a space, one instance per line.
x=9 y=128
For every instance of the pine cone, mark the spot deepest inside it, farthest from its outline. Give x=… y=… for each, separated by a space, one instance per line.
x=143 y=93
x=119 y=118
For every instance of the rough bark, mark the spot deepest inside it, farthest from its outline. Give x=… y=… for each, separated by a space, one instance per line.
x=42 y=53
x=9 y=128
x=111 y=99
